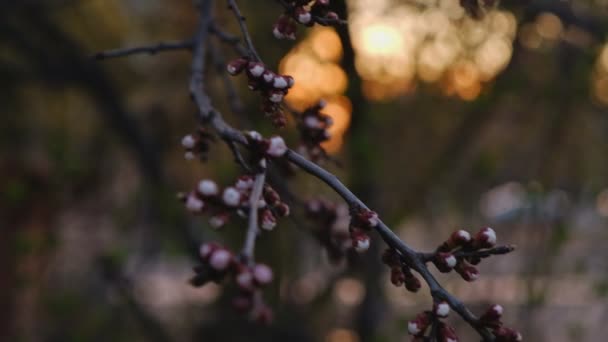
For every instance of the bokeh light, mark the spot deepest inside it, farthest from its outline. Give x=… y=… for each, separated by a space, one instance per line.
x=313 y=64
x=398 y=44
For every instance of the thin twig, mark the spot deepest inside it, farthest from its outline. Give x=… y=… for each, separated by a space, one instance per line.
x=241 y=20
x=146 y=49
x=498 y=250
x=252 y=228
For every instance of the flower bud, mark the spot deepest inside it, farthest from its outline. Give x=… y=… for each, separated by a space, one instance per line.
x=268 y=221
x=194 y=204
x=276 y=147
x=219 y=220
x=188 y=141
x=447 y=333
x=302 y=15
x=189 y=155
x=206 y=249
x=255 y=69
x=276 y=96
x=485 y=238
x=231 y=197
x=418 y=325
x=466 y=271
x=492 y=316
x=244 y=182
x=412 y=283
x=269 y=76
x=280 y=82
x=262 y=274
x=441 y=309
x=237 y=66
x=504 y=334
x=445 y=262
x=282 y=210
x=220 y=259
x=244 y=279
x=397 y=276
x=360 y=241
x=208 y=188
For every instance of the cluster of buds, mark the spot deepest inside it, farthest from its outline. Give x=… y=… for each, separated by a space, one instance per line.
x=461 y=252
x=491 y=320
x=197 y=144
x=362 y=221
x=207 y=197
x=271 y=85
x=303 y=12
x=331 y=227
x=219 y=263
x=419 y=326
x=262 y=148
x=401 y=274
x=313 y=126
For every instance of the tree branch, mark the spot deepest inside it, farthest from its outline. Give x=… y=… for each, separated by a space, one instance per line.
x=147 y=49
x=241 y=20
x=252 y=228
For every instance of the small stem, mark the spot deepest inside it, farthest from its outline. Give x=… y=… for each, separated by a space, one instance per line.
x=252 y=229
x=241 y=20
x=149 y=49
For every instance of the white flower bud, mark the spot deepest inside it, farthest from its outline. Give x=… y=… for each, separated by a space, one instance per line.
x=231 y=197
x=276 y=147
x=280 y=82
x=442 y=309
x=189 y=155
x=194 y=204
x=220 y=259
x=256 y=69
x=188 y=141
x=276 y=96
x=208 y=188
x=262 y=274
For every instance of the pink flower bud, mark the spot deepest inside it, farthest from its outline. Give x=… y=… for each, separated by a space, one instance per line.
x=256 y=69
x=290 y=81
x=442 y=309
x=188 y=141
x=332 y=16
x=244 y=182
x=504 y=334
x=206 y=249
x=412 y=283
x=276 y=147
x=194 y=204
x=282 y=210
x=219 y=220
x=280 y=82
x=492 y=315
x=460 y=238
x=268 y=221
x=244 y=279
x=447 y=333
x=269 y=76
x=485 y=238
x=189 y=155
x=302 y=15
x=466 y=271
x=237 y=66
x=397 y=276
x=360 y=241
x=262 y=274
x=445 y=262
x=208 y=188
x=276 y=96
x=220 y=259
x=231 y=197
x=418 y=325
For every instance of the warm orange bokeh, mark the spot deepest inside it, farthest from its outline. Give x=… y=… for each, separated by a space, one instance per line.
x=313 y=65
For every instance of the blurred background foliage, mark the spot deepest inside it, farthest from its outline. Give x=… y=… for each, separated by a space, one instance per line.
x=442 y=122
